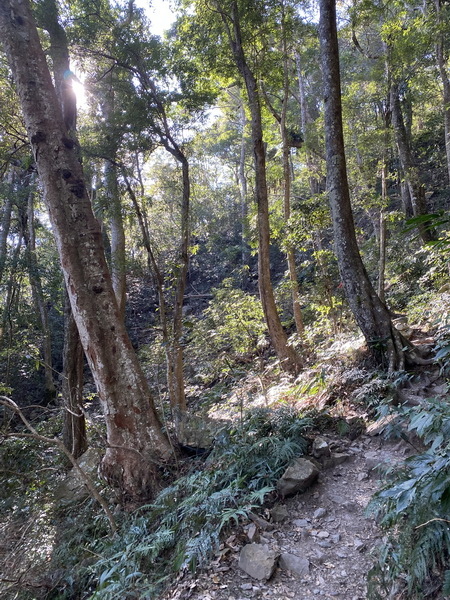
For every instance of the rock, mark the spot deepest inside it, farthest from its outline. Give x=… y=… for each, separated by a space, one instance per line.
x=320 y=447
x=258 y=561
x=294 y=564
x=359 y=544
x=298 y=477
x=252 y=533
x=73 y=487
x=301 y=523
x=260 y=522
x=323 y=534
x=319 y=513
x=279 y=513
x=337 y=458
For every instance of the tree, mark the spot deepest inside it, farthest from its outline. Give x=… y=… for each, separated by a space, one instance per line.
x=74 y=422
x=370 y=313
x=231 y=19
x=136 y=442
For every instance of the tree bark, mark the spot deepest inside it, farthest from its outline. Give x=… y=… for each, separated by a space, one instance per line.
x=370 y=313
x=289 y=360
x=136 y=442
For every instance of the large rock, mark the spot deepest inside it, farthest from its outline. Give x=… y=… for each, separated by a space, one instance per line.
x=298 y=477
x=258 y=561
x=73 y=487
x=294 y=564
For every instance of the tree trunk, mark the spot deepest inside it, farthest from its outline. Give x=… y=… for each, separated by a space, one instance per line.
x=118 y=272
x=74 y=425
x=243 y=192
x=290 y=255
x=370 y=313
x=289 y=360
x=37 y=293
x=6 y=221
x=134 y=434
x=410 y=170
x=442 y=66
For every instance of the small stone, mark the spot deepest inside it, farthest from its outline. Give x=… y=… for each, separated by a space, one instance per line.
x=252 y=533
x=351 y=506
x=325 y=544
x=246 y=586
x=362 y=477
x=301 y=523
x=359 y=544
x=320 y=447
x=279 y=513
x=294 y=564
x=336 y=538
x=319 y=513
x=337 y=458
x=258 y=561
x=298 y=477
x=323 y=534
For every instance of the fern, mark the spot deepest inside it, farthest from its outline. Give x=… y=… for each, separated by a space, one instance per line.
x=181 y=528
x=414 y=507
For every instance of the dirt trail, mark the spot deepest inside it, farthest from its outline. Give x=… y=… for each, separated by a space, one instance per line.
x=327 y=525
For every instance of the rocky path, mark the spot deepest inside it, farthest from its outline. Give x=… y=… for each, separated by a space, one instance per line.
x=323 y=537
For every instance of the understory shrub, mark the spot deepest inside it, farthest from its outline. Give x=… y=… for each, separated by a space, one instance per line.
x=181 y=528
x=414 y=509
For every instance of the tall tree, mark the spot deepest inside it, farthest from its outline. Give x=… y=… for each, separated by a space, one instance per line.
x=74 y=422
x=134 y=434
x=370 y=313
x=231 y=18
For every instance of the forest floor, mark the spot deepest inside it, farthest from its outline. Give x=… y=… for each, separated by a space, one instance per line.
x=327 y=528
x=327 y=525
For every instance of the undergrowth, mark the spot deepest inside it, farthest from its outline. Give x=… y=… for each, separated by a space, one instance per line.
x=181 y=528
x=414 y=509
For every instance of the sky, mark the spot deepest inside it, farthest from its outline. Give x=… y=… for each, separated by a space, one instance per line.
x=159 y=13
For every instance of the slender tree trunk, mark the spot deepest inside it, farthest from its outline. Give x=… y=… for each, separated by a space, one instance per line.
x=136 y=442
x=7 y=322
x=410 y=170
x=74 y=425
x=38 y=295
x=6 y=221
x=287 y=179
x=442 y=66
x=289 y=360
x=118 y=271
x=370 y=313
x=243 y=191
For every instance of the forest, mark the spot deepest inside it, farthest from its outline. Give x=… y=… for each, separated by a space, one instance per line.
x=224 y=257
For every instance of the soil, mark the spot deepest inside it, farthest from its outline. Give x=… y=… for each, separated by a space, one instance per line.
x=328 y=525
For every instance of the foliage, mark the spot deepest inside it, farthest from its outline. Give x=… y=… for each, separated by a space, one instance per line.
x=413 y=506
x=230 y=329
x=181 y=528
